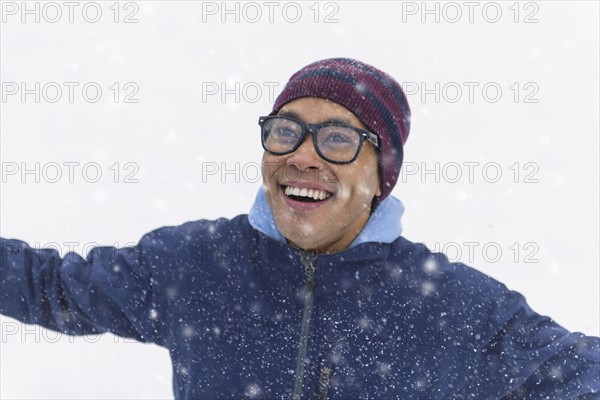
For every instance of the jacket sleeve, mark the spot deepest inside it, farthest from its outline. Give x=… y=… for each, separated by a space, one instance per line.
x=109 y=290
x=539 y=359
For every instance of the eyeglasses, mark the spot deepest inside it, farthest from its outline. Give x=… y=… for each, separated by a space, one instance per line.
x=336 y=143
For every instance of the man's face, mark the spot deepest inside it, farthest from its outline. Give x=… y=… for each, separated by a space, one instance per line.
x=329 y=225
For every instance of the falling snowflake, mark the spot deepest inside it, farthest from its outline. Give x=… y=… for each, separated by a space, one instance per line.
x=430 y=266
x=427 y=288
x=253 y=391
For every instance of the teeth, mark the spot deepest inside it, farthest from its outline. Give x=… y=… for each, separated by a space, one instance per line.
x=304 y=192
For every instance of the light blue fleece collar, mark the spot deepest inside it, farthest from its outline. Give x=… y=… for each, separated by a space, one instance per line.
x=384 y=224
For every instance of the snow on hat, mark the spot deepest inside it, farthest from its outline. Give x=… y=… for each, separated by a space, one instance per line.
x=372 y=95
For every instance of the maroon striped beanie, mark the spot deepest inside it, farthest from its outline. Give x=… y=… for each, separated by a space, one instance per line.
x=372 y=95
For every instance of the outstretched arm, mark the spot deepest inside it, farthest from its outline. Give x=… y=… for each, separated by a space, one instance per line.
x=540 y=359
x=109 y=290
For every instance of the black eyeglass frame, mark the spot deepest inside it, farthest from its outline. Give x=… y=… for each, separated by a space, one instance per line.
x=313 y=129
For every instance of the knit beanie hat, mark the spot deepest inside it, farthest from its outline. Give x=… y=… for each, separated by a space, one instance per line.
x=372 y=95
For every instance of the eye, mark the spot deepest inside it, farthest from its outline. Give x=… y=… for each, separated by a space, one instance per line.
x=338 y=136
x=284 y=132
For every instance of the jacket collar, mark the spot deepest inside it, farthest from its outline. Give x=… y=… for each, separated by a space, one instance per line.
x=384 y=224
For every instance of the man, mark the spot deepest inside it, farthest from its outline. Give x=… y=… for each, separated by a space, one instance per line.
x=315 y=293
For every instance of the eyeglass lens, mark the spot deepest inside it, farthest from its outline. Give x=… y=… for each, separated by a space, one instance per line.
x=338 y=143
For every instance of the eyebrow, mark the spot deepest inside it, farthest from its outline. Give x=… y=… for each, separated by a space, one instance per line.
x=338 y=120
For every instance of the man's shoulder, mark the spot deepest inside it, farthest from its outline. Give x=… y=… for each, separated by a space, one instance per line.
x=417 y=258
x=198 y=230
x=434 y=276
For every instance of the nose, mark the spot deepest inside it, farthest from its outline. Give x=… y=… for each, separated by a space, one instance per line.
x=305 y=157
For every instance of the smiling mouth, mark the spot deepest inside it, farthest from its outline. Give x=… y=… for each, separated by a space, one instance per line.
x=306 y=195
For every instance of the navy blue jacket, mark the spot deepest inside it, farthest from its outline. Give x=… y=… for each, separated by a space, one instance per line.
x=244 y=315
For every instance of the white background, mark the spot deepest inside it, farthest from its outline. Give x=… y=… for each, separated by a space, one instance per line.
x=175 y=51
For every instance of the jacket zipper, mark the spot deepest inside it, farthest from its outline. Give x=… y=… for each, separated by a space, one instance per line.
x=323 y=383
x=308 y=260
